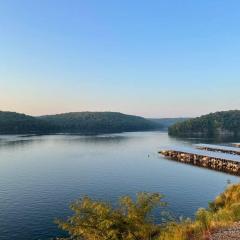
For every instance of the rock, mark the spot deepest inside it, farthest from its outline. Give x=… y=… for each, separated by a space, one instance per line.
x=229 y=233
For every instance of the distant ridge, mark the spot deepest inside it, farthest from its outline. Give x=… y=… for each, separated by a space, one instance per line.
x=213 y=124
x=167 y=122
x=74 y=122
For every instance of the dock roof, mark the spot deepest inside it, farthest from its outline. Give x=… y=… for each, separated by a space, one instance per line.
x=218 y=147
x=204 y=153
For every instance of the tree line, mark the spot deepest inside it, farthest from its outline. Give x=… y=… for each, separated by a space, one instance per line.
x=78 y=122
x=219 y=123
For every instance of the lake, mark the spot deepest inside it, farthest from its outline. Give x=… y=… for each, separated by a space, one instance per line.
x=41 y=175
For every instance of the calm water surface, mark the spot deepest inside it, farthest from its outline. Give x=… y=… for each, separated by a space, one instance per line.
x=41 y=175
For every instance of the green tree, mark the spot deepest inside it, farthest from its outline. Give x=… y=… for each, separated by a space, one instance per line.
x=131 y=220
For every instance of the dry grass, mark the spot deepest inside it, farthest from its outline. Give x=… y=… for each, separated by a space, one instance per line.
x=222 y=212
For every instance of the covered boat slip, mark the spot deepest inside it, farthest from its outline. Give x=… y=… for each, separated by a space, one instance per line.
x=219 y=148
x=203 y=153
x=219 y=161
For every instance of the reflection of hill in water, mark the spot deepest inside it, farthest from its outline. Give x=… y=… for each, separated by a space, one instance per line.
x=104 y=139
x=25 y=141
x=18 y=143
x=22 y=141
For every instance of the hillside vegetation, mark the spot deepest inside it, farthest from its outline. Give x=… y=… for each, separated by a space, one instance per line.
x=132 y=220
x=98 y=122
x=78 y=122
x=219 y=123
x=16 y=123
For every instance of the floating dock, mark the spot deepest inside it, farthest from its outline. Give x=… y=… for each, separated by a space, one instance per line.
x=218 y=148
x=213 y=160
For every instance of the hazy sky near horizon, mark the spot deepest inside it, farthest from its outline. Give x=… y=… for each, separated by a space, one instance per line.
x=152 y=58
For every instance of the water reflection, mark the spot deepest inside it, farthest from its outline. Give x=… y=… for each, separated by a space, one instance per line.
x=25 y=141
x=41 y=175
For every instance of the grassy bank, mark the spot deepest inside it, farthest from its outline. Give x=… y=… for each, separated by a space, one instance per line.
x=223 y=211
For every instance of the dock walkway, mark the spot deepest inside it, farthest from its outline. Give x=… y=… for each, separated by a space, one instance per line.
x=219 y=148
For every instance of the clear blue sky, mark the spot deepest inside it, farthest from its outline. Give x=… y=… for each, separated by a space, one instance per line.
x=150 y=58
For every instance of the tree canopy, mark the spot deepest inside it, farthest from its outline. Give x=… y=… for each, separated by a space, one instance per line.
x=131 y=220
x=219 y=123
x=78 y=122
x=99 y=122
x=16 y=123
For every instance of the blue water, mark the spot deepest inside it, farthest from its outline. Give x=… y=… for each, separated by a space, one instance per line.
x=41 y=175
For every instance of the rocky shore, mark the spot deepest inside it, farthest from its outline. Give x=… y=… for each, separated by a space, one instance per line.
x=229 y=233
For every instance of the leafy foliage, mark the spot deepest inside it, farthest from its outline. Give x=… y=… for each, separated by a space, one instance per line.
x=226 y=122
x=129 y=221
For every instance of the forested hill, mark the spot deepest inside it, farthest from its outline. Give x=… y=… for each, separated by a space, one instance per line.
x=79 y=122
x=219 y=123
x=99 y=122
x=17 y=123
